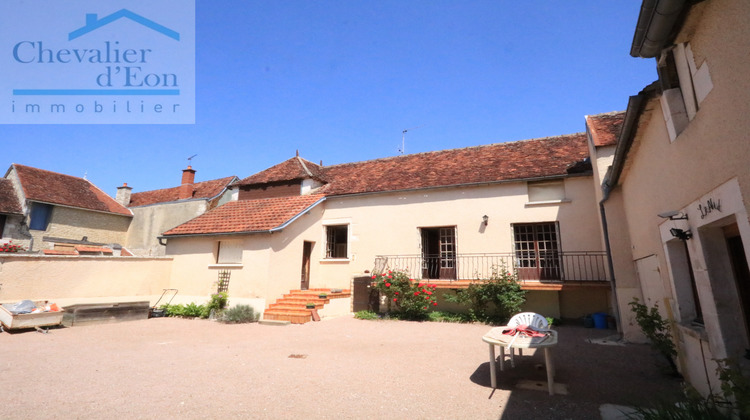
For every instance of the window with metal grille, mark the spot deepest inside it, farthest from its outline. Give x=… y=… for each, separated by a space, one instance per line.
x=337 y=239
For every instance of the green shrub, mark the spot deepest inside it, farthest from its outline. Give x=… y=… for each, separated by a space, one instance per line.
x=656 y=329
x=239 y=314
x=407 y=298
x=442 y=316
x=191 y=310
x=493 y=300
x=366 y=315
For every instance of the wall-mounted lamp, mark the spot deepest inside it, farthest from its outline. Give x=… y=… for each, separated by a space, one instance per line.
x=680 y=234
x=485 y=219
x=673 y=215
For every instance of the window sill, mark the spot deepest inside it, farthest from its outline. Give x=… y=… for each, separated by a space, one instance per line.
x=335 y=260
x=696 y=331
x=547 y=203
x=225 y=266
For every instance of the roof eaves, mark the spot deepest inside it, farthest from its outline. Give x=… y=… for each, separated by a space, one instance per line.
x=636 y=105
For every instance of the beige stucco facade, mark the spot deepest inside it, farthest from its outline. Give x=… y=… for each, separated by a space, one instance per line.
x=388 y=224
x=703 y=173
x=70 y=280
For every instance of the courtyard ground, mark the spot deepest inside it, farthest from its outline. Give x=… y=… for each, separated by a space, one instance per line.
x=340 y=368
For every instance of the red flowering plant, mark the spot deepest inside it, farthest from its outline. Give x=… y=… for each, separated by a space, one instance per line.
x=11 y=247
x=407 y=298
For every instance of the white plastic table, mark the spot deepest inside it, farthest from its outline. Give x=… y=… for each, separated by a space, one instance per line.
x=495 y=337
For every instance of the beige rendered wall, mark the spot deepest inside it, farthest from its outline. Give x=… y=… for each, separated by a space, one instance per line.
x=271 y=263
x=388 y=224
x=68 y=280
x=151 y=221
x=661 y=175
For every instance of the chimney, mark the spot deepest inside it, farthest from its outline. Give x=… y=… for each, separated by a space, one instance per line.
x=186 y=188
x=123 y=194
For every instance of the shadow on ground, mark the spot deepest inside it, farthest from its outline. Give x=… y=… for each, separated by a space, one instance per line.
x=592 y=374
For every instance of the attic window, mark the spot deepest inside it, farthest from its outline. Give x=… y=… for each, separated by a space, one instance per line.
x=546 y=191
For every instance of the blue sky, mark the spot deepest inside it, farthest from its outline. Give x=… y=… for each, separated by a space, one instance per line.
x=340 y=80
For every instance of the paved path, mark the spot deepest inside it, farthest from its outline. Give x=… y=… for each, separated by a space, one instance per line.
x=340 y=368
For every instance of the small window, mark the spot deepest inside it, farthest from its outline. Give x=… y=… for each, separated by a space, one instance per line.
x=337 y=239
x=230 y=252
x=546 y=191
x=40 y=216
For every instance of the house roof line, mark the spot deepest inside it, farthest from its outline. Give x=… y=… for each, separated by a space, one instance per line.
x=481 y=146
x=471 y=184
x=247 y=232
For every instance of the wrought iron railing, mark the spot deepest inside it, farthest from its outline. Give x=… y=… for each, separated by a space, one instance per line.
x=549 y=266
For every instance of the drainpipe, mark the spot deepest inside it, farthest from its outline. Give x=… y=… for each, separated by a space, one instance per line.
x=656 y=24
x=605 y=230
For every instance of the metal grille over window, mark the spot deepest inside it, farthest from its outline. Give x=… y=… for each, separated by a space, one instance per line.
x=223 y=284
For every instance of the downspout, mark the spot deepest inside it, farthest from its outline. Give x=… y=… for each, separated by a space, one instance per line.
x=635 y=107
x=605 y=230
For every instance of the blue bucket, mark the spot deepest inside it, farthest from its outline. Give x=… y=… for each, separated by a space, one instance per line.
x=600 y=320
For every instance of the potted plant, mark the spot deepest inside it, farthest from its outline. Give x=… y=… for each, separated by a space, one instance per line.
x=323 y=295
x=310 y=305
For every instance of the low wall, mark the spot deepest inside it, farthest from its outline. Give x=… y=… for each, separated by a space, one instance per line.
x=68 y=280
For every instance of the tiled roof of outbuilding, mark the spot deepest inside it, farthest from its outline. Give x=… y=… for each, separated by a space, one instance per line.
x=248 y=216
x=204 y=190
x=54 y=188
x=605 y=128
x=8 y=200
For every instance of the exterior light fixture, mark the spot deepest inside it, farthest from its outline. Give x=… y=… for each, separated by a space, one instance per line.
x=485 y=219
x=673 y=215
x=680 y=234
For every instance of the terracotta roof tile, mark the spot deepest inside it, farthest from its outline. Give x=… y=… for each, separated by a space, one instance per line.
x=204 y=190
x=605 y=128
x=247 y=216
x=54 y=188
x=87 y=248
x=518 y=160
x=292 y=169
x=8 y=199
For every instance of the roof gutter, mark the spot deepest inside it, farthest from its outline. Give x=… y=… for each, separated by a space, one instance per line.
x=248 y=232
x=636 y=104
x=656 y=23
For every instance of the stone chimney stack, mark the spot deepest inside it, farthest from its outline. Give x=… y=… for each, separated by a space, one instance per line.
x=123 y=194
x=188 y=178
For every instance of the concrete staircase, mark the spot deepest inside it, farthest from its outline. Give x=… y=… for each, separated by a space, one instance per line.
x=292 y=307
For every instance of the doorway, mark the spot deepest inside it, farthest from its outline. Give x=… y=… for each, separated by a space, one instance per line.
x=306 y=255
x=740 y=270
x=439 y=253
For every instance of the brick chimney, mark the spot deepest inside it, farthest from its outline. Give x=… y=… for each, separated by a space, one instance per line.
x=186 y=188
x=123 y=194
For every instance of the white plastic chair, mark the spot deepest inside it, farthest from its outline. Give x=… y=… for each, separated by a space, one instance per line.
x=530 y=319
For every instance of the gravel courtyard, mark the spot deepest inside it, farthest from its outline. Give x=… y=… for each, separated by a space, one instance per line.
x=341 y=368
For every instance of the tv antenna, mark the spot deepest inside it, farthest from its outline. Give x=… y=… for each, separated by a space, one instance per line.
x=191 y=158
x=402 y=149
